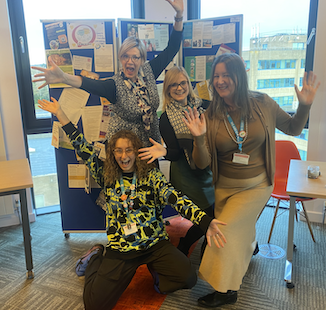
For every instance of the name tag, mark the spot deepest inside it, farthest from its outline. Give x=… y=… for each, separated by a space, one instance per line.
x=130 y=229
x=241 y=158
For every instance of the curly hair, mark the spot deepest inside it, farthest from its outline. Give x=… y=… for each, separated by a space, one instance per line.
x=112 y=170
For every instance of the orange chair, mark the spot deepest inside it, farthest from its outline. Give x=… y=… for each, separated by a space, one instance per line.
x=285 y=151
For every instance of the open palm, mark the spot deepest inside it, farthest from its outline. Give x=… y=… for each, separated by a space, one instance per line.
x=195 y=123
x=307 y=94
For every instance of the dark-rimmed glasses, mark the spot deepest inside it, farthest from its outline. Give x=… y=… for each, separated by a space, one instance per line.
x=183 y=84
x=133 y=58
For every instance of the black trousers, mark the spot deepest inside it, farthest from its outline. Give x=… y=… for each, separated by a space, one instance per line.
x=107 y=278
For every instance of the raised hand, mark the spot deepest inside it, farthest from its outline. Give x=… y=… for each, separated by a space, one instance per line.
x=307 y=94
x=213 y=232
x=153 y=152
x=177 y=5
x=196 y=124
x=54 y=108
x=51 y=76
x=50 y=106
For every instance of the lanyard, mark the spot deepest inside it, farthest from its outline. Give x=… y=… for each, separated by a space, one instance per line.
x=239 y=135
x=124 y=197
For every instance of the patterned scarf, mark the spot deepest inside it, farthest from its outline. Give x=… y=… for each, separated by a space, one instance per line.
x=174 y=111
x=140 y=90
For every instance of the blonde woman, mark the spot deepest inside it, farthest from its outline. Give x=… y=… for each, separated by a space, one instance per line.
x=132 y=91
x=184 y=175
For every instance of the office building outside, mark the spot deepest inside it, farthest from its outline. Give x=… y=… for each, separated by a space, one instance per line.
x=274 y=64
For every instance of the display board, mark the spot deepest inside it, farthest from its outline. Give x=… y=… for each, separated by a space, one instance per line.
x=205 y=39
x=79 y=47
x=89 y=48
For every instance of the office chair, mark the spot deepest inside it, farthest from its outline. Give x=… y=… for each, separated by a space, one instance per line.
x=284 y=152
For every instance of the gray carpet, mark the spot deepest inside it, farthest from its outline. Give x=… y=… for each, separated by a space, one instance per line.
x=56 y=285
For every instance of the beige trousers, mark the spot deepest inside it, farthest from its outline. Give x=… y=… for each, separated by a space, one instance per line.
x=238 y=202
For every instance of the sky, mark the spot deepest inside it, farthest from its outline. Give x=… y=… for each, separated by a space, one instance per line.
x=270 y=17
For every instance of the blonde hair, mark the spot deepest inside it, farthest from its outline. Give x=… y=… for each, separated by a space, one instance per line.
x=112 y=170
x=130 y=43
x=170 y=78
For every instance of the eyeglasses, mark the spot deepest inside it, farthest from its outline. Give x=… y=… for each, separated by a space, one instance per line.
x=119 y=152
x=176 y=85
x=133 y=58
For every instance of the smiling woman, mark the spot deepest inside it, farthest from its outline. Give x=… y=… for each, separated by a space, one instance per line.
x=132 y=91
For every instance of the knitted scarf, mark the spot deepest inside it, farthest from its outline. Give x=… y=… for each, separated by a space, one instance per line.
x=175 y=113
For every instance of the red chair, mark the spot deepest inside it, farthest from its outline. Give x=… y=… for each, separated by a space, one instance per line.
x=285 y=151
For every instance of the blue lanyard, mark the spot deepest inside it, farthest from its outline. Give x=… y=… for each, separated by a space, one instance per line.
x=239 y=138
x=124 y=197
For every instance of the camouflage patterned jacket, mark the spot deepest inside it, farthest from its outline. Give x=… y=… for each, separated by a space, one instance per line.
x=151 y=196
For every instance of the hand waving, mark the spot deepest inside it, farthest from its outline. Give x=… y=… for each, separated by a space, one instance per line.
x=154 y=152
x=50 y=106
x=177 y=5
x=196 y=124
x=307 y=94
x=51 y=76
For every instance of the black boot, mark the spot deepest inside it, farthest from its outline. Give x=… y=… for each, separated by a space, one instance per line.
x=256 y=249
x=218 y=299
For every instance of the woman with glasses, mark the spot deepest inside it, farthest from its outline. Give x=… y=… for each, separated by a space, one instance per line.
x=132 y=92
x=135 y=195
x=184 y=175
x=236 y=137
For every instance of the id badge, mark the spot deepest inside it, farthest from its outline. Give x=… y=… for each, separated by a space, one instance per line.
x=241 y=158
x=130 y=229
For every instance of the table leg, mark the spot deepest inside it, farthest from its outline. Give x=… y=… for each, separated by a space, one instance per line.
x=27 y=234
x=289 y=251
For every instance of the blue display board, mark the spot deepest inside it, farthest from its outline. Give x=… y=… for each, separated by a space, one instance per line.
x=153 y=34
x=71 y=41
x=204 y=39
x=80 y=40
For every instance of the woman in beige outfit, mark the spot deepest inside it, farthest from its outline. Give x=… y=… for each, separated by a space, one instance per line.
x=236 y=137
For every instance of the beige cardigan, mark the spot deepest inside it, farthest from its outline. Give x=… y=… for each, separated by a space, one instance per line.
x=271 y=116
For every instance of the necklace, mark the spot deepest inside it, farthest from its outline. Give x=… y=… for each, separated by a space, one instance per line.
x=125 y=199
x=240 y=137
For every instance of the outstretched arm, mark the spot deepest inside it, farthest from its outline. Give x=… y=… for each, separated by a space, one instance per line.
x=54 y=108
x=55 y=75
x=154 y=152
x=178 y=7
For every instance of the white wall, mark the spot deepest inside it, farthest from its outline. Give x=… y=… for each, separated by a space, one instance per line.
x=317 y=122
x=10 y=113
x=158 y=10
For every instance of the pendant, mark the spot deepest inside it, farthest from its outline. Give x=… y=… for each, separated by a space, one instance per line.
x=123 y=197
x=242 y=133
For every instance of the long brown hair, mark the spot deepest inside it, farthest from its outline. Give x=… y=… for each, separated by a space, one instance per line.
x=112 y=170
x=241 y=98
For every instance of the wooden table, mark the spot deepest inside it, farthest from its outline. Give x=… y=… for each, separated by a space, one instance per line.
x=299 y=185
x=15 y=178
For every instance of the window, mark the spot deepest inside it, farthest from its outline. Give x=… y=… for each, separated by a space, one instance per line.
x=37 y=123
x=298 y=46
x=276 y=64
x=259 y=28
x=303 y=63
x=275 y=83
